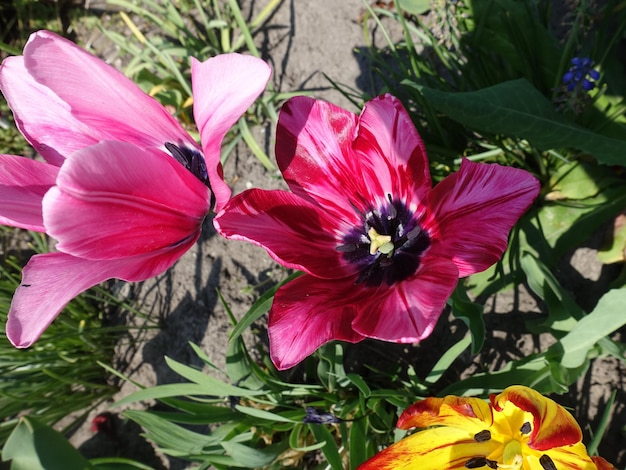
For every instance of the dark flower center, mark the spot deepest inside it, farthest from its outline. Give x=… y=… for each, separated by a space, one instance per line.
x=193 y=160
x=388 y=246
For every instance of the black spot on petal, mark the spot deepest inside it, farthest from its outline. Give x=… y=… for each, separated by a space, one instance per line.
x=546 y=462
x=482 y=436
x=476 y=462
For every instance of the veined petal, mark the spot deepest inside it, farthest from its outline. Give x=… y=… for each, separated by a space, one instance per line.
x=223 y=88
x=308 y=312
x=110 y=105
x=115 y=200
x=570 y=457
x=23 y=183
x=388 y=141
x=432 y=449
x=475 y=208
x=51 y=280
x=41 y=116
x=469 y=414
x=314 y=152
x=553 y=425
x=602 y=464
x=294 y=232
x=407 y=311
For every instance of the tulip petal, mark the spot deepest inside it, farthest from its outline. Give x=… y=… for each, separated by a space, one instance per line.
x=602 y=464
x=388 y=141
x=294 y=232
x=23 y=183
x=314 y=153
x=475 y=208
x=471 y=414
x=223 y=88
x=51 y=280
x=432 y=449
x=553 y=426
x=407 y=312
x=115 y=200
x=110 y=105
x=308 y=312
x=41 y=116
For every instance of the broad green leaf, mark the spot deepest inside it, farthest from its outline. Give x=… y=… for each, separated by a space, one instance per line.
x=35 y=446
x=562 y=309
x=266 y=415
x=615 y=252
x=447 y=359
x=358 y=442
x=471 y=314
x=516 y=109
x=330 y=451
x=254 y=458
x=179 y=390
x=169 y=435
x=608 y=316
x=415 y=7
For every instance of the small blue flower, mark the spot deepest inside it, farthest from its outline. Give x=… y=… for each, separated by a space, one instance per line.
x=581 y=74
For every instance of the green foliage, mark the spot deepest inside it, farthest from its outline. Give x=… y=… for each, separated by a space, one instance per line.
x=34 y=446
x=59 y=375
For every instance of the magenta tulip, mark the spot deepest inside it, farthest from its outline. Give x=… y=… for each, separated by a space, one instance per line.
x=381 y=249
x=124 y=189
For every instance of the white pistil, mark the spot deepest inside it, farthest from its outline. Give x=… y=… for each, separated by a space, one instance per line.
x=379 y=243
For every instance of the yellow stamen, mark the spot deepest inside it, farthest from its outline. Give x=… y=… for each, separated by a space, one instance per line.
x=379 y=242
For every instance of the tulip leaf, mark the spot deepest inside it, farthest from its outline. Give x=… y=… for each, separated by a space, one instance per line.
x=415 y=7
x=35 y=446
x=330 y=451
x=254 y=458
x=516 y=109
x=607 y=317
x=471 y=314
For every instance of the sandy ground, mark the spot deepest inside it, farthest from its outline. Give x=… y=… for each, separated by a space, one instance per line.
x=304 y=39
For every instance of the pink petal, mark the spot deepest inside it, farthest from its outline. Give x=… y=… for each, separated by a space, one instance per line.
x=308 y=312
x=475 y=208
x=340 y=161
x=314 y=152
x=223 y=88
x=110 y=105
x=41 y=116
x=294 y=232
x=23 y=183
x=388 y=140
x=51 y=280
x=115 y=200
x=408 y=311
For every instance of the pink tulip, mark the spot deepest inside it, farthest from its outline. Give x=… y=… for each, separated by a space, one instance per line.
x=380 y=248
x=124 y=189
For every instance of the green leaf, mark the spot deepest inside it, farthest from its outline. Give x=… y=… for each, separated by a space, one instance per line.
x=516 y=109
x=471 y=314
x=607 y=317
x=169 y=435
x=254 y=458
x=562 y=309
x=447 y=359
x=415 y=7
x=35 y=446
x=266 y=415
x=330 y=451
x=358 y=443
